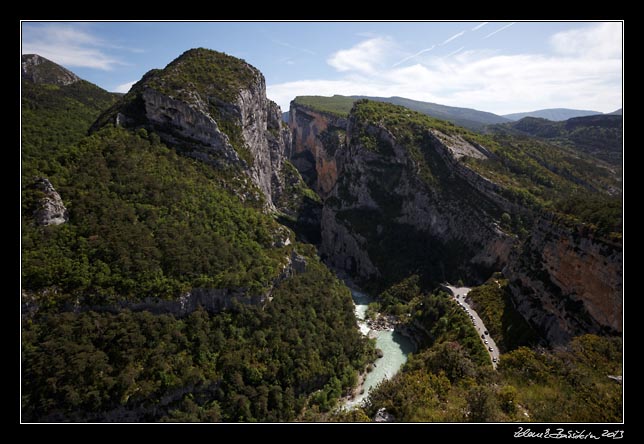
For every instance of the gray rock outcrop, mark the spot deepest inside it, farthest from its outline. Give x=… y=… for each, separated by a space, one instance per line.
x=382 y=415
x=51 y=210
x=182 y=123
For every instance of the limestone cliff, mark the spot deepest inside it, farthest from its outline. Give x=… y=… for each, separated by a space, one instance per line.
x=382 y=217
x=212 y=107
x=566 y=281
x=316 y=138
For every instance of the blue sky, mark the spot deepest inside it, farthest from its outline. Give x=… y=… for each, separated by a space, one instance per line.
x=501 y=67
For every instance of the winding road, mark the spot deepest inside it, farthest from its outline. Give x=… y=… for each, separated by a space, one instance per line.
x=459 y=294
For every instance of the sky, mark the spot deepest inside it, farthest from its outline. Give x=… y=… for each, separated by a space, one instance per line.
x=500 y=67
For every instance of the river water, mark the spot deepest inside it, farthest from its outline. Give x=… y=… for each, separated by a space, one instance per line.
x=395 y=348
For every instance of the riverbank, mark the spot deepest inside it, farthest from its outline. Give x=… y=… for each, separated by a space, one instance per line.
x=382 y=322
x=392 y=344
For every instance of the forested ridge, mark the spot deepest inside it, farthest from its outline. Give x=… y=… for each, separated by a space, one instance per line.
x=146 y=223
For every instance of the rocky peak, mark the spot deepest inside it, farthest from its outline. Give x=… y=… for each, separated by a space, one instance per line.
x=38 y=69
x=213 y=107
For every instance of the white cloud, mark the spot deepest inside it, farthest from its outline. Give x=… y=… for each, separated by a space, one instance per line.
x=603 y=40
x=365 y=57
x=124 y=87
x=67 y=46
x=483 y=79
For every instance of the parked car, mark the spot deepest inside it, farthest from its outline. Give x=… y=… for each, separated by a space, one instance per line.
x=486 y=342
x=490 y=348
x=486 y=332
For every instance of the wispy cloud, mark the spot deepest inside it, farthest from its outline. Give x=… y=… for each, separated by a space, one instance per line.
x=68 y=46
x=454 y=37
x=498 y=30
x=601 y=41
x=587 y=75
x=124 y=87
x=479 y=26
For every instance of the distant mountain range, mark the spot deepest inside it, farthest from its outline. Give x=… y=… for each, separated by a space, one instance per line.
x=598 y=135
x=554 y=114
x=466 y=117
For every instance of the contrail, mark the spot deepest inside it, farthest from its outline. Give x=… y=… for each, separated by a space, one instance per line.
x=479 y=26
x=499 y=30
x=455 y=36
x=423 y=51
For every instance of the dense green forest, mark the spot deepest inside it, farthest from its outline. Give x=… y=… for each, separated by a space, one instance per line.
x=144 y=222
x=54 y=117
x=248 y=364
x=148 y=223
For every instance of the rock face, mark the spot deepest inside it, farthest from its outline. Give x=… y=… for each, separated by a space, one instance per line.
x=38 y=69
x=177 y=121
x=50 y=210
x=377 y=208
x=567 y=282
x=212 y=107
x=317 y=136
